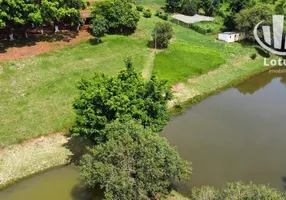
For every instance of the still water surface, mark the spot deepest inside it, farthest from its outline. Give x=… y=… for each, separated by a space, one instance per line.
x=56 y=184
x=239 y=134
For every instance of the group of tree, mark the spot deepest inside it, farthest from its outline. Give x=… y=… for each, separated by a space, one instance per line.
x=113 y=16
x=122 y=116
x=192 y=7
x=31 y=13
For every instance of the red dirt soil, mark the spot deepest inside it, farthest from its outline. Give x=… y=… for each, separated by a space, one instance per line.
x=39 y=47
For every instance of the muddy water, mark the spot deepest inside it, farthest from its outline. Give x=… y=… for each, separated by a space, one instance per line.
x=57 y=184
x=239 y=134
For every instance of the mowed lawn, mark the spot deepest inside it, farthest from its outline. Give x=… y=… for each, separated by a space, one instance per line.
x=37 y=93
x=183 y=61
x=191 y=54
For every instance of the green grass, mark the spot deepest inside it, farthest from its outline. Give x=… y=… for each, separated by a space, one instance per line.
x=152 y=4
x=37 y=92
x=191 y=54
x=183 y=61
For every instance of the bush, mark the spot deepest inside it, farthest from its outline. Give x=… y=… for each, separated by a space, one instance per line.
x=158 y=13
x=133 y=164
x=253 y=56
x=165 y=16
x=139 y=8
x=147 y=13
x=99 y=27
x=162 y=15
x=103 y=99
x=162 y=33
x=237 y=190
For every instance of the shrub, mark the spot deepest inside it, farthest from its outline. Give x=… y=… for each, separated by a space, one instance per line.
x=237 y=190
x=165 y=16
x=162 y=15
x=158 y=13
x=103 y=99
x=99 y=27
x=147 y=13
x=139 y=8
x=162 y=33
x=133 y=164
x=253 y=56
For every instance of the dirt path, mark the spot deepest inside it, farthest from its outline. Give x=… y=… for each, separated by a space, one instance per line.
x=18 y=50
x=37 y=155
x=148 y=68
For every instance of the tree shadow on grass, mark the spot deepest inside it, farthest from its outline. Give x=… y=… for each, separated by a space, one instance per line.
x=151 y=45
x=95 y=41
x=33 y=37
x=124 y=32
x=263 y=53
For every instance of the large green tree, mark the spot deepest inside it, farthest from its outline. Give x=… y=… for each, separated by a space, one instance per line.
x=133 y=164
x=173 y=5
x=61 y=11
x=247 y=18
x=235 y=6
x=103 y=99
x=189 y=7
x=15 y=14
x=119 y=14
x=208 y=7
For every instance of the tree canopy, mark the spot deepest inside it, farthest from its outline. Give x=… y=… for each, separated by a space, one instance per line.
x=162 y=33
x=103 y=99
x=15 y=13
x=247 y=18
x=133 y=163
x=119 y=14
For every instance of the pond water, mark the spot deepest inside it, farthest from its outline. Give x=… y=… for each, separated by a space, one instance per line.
x=56 y=184
x=239 y=134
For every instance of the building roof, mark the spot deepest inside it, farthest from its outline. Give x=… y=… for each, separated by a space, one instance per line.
x=229 y=33
x=192 y=19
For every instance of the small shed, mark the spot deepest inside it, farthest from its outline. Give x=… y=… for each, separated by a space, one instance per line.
x=231 y=36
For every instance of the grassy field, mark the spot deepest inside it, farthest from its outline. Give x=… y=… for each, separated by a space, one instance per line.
x=37 y=93
x=183 y=61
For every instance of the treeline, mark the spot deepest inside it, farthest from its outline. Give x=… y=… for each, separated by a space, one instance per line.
x=192 y=7
x=240 y=15
x=35 y=13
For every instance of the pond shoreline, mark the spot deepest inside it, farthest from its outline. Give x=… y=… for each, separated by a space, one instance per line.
x=46 y=152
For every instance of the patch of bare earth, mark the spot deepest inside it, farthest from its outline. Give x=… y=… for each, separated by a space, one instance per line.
x=16 y=52
x=181 y=93
x=22 y=160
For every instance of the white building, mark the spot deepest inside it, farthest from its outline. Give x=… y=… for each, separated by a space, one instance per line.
x=231 y=36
